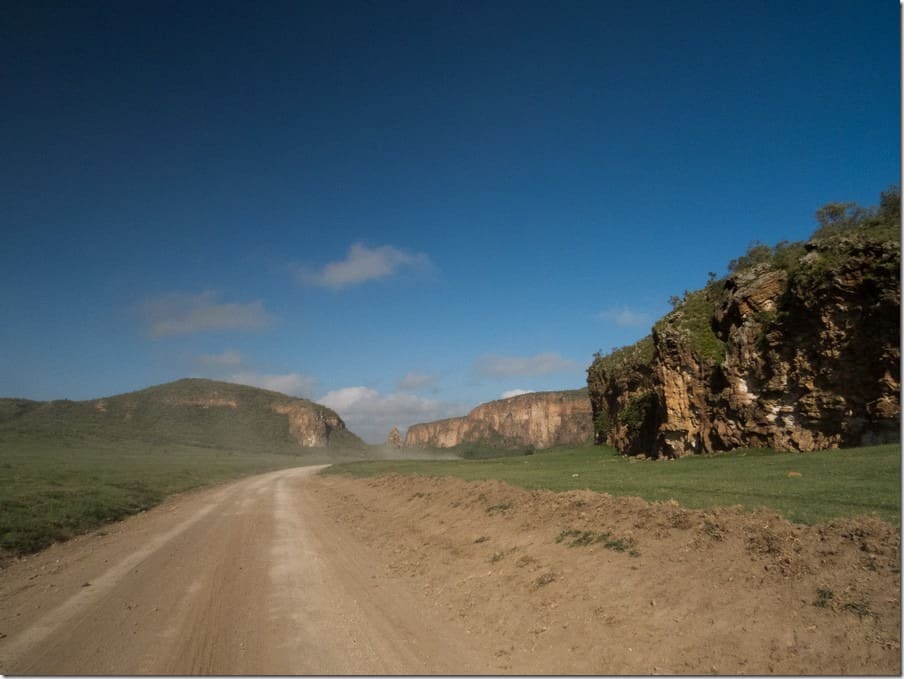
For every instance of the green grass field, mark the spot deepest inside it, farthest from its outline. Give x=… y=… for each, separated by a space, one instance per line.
x=51 y=490
x=832 y=483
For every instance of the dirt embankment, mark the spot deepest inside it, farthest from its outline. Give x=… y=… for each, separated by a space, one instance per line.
x=580 y=582
x=291 y=573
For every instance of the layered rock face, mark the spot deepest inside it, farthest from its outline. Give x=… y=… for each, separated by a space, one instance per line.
x=311 y=426
x=539 y=420
x=799 y=352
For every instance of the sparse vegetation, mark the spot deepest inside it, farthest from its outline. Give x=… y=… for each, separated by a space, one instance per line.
x=713 y=530
x=823 y=597
x=500 y=508
x=585 y=538
x=860 y=608
x=545 y=579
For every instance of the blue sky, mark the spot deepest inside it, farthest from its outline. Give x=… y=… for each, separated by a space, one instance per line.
x=406 y=209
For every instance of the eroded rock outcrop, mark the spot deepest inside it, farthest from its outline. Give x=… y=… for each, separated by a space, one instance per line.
x=394 y=438
x=539 y=420
x=797 y=349
x=311 y=426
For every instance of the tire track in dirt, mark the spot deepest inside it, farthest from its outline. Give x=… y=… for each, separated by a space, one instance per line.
x=248 y=578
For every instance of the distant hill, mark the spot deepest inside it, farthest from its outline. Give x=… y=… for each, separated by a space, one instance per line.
x=535 y=420
x=195 y=412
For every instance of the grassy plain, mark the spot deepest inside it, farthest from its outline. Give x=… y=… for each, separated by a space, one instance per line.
x=52 y=489
x=803 y=487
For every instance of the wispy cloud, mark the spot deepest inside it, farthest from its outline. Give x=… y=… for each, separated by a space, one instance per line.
x=187 y=314
x=491 y=365
x=412 y=381
x=363 y=264
x=515 y=392
x=625 y=317
x=293 y=384
x=371 y=414
x=232 y=366
x=228 y=360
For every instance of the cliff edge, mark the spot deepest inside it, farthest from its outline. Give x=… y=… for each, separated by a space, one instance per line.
x=538 y=420
x=798 y=348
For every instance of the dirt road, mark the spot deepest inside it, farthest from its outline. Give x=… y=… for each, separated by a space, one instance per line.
x=296 y=573
x=248 y=578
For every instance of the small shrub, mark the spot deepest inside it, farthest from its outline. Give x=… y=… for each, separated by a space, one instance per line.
x=545 y=579
x=713 y=530
x=823 y=597
x=585 y=538
x=861 y=608
x=567 y=534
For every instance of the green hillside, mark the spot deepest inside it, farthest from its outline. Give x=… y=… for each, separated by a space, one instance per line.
x=67 y=467
x=195 y=412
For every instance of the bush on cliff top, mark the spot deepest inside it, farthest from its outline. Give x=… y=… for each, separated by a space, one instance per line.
x=844 y=228
x=624 y=359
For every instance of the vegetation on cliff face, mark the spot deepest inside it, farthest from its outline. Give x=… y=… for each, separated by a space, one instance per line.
x=690 y=323
x=797 y=348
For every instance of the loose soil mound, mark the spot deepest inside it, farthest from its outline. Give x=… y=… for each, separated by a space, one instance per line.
x=585 y=583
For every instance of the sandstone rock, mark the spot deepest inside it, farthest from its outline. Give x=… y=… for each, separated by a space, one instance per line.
x=799 y=358
x=310 y=425
x=540 y=420
x=394 y=439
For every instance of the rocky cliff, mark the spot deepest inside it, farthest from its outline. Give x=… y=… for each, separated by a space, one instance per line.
x=797 y=349
x=538 y=420
x=190 y=411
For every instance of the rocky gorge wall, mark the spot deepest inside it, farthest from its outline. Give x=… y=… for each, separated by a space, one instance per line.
x=539 y=420
x=797 y=349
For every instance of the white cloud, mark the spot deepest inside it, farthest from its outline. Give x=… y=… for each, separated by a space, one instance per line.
x=363 y=264
x=371 y=414
x=523 y=366
x=186 y=313
x=515 y=392
x=293 y=384
x=626 y=318
x=412 y=381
